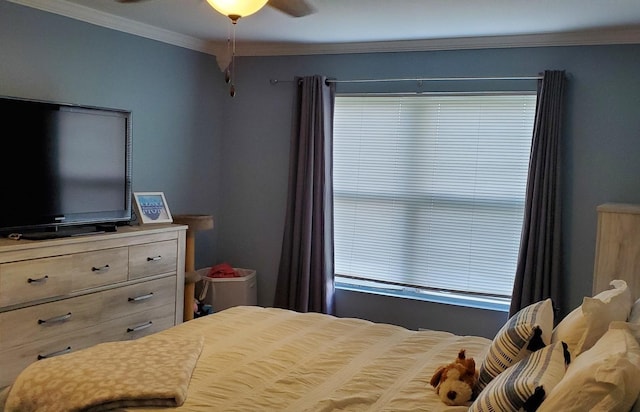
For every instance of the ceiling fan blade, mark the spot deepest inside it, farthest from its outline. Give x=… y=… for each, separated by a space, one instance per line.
x=295 y=8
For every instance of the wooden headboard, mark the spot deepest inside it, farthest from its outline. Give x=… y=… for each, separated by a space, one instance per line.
x=618 y=247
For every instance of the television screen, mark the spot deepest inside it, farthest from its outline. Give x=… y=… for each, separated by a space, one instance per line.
x=63 y=165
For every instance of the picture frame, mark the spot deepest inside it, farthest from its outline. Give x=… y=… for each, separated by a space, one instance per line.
x=151 y=208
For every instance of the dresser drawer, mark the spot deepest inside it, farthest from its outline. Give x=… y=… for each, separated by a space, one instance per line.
x=65 y=316
x=101 y=267
x=153 y=259
x=139 y=297
x=49 y=319
x=138 y=324
x=35 y=279
x=15 y=359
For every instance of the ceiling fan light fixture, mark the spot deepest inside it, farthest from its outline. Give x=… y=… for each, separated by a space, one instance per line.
x=234 y=9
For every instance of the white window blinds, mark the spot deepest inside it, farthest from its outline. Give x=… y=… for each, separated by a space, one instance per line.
x=429 y=189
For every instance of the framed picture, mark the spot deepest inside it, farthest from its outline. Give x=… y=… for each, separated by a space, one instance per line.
x=151 y=207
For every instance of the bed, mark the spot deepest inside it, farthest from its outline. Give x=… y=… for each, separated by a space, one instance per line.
x=250 y=358
x=266 y=359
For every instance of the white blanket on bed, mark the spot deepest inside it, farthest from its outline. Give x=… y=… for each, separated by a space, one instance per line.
x=265 y=359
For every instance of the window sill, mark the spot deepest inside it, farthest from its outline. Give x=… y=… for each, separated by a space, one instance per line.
x=448 y=298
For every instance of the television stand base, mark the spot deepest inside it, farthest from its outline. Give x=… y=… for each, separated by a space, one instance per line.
x=66 y=232
x=106 y=227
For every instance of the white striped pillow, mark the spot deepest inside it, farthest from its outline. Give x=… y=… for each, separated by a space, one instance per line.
x=525 y=332
x=525 y=383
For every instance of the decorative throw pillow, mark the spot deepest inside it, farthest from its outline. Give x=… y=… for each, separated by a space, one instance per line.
x=582 y=328
x=525 y=332
x=525 y=384
x=603 y=378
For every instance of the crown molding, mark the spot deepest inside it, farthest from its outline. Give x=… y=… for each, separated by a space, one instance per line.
x=582 y=38
x=110 y=21
x=624 y=35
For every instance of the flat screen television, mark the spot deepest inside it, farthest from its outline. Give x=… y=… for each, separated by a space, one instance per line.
x=64 y=167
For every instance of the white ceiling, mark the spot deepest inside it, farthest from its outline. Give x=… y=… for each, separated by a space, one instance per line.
x=344 y=25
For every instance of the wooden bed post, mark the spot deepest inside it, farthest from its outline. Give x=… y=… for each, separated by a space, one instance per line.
x=618 y=247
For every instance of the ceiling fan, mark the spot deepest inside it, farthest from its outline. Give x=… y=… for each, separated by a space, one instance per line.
x=294 y=8
x=236 y=9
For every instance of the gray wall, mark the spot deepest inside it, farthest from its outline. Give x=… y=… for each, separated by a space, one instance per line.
x=599 y=156
x=228 y=157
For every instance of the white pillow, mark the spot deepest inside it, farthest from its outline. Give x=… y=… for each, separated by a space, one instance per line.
x=634 y=316
x=581 y=328
x=526 y=331
x=603 y=378
x=526 y=381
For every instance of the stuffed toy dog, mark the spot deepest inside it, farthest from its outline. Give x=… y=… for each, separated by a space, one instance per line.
x=454 y=382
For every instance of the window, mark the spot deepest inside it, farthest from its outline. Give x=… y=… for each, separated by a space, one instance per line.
x=429 y=190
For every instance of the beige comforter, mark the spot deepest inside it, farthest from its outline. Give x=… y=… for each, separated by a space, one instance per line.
x=265 y=359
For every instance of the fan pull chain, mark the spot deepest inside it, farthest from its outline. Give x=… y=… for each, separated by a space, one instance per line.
x=227 y=70
x=232 y=88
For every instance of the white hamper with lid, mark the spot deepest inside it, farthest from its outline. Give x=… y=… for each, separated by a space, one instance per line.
x=223 y=293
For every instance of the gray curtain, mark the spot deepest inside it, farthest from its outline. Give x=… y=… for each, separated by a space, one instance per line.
x=538 y=270
x=305 y=278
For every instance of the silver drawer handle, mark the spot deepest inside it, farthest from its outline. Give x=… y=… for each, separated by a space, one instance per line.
x=154 y=258
x=143 y=297
x=39 y=280
x=100 y=269
x=56 y=319
x=141 y=327
x=52 y=354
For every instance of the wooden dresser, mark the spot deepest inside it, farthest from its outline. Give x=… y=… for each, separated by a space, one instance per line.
x=65 y=294
x=618 y=247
